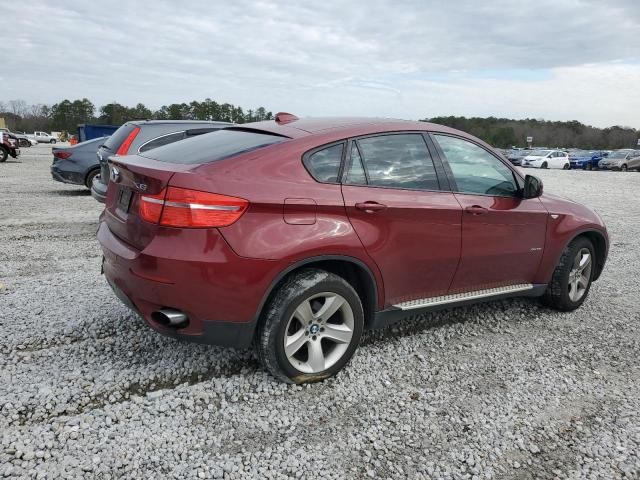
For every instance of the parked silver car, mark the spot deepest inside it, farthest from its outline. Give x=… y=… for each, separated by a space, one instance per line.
x=624 y=159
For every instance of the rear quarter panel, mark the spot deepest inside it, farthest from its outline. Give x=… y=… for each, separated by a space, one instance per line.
x=267 y=179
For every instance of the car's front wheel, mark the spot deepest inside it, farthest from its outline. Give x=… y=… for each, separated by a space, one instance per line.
x=572 y=277
x=310 y=328
x=544 y=165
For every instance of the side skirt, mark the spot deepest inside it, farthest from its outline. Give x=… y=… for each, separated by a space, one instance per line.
x=406 y=309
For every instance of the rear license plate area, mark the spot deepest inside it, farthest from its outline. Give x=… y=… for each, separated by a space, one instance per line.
x=124 y=199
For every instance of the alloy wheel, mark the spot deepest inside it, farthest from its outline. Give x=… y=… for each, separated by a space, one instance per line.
x=319 y=332
x=580 y=274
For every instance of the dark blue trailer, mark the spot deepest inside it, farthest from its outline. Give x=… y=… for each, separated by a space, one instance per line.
x=87 y=131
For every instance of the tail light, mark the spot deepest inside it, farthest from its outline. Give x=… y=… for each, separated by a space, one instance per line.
x=124 y=147
x=181 y=207
x=62 y=155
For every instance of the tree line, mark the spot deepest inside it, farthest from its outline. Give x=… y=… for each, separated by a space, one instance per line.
x=499 y=132
x=67 y=114
x=505 y=133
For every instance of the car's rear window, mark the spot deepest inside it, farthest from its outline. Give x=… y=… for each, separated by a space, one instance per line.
x=212 y=146
x=119 y=136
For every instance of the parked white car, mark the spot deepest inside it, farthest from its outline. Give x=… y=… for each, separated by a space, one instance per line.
x=44 y=137
x=547 y=159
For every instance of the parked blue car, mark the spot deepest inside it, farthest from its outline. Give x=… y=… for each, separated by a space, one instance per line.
x=585 y=159
x=78 y=164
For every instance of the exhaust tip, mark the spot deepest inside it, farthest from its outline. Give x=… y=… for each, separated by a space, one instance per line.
x=170 y=317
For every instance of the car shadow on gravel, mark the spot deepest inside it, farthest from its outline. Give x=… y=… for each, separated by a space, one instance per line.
x=70 y=193
x=416 y=324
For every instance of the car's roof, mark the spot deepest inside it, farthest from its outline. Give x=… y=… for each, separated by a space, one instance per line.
x=341 y=127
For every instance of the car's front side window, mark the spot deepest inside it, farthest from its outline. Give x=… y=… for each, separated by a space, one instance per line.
x=475 y=170
x=398 y=161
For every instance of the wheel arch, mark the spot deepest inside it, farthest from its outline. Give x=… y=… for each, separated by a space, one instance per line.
x=600 y=245
x=352 y=269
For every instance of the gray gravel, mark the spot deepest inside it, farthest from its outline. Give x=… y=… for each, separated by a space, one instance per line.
x=506 y=390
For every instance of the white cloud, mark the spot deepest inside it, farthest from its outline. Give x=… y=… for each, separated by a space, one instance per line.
x=334 y=57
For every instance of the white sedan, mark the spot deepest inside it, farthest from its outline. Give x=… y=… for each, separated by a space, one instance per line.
x=547 y=159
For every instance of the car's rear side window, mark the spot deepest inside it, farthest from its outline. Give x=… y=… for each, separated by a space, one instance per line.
x=160 y=141
x=119 y=136
x=213 y=146
x=324 y=165
x=398 y=161
x=355 y=172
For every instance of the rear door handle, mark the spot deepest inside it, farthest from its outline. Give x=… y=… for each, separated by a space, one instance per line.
x=476 y=210
x=370 y=207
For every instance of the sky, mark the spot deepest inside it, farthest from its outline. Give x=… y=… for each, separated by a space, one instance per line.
x=412 y=59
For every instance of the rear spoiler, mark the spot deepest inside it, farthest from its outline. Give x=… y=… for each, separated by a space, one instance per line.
x=257 y=130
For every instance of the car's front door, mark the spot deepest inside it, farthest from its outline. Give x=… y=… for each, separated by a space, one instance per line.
x=634 y=161
x=407 y=224
x=503 y=235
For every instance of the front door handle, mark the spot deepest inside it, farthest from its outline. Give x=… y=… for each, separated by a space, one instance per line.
x=476 y=210
x=370 y=207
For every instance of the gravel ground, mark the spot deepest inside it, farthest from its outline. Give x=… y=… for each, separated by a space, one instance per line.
x=504 y=390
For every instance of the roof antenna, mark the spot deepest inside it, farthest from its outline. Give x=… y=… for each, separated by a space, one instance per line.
x=284 y=117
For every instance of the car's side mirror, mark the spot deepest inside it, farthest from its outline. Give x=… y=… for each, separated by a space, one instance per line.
x=532 y=187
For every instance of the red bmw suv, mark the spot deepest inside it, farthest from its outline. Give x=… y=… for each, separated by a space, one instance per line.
x=297 y=234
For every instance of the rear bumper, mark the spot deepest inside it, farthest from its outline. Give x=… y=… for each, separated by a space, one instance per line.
x=64 y=176
x=221 y=293
x=99 y=190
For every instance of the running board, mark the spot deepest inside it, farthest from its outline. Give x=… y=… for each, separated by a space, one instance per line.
x=463 y=297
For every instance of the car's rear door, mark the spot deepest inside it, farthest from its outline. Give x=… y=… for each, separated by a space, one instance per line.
x=503 y=235
x=408 y=224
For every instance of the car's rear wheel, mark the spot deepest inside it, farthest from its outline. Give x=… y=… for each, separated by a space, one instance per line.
x=310 y=328
x=52 y=141
x=572 y=277
x=90 y=176
x=565 y=166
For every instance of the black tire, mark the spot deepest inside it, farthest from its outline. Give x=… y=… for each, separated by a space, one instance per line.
x=566 y=166
x=90 y=176
x=23 y=142
x=544 y=165
x=557 y=293
x=3 y=154
x=589 y=167
x=623 y=168
x=52 y=141
x=275 y=318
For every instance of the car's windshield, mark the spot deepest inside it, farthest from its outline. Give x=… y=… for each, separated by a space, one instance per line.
x=540 y=153
x=619 y=154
